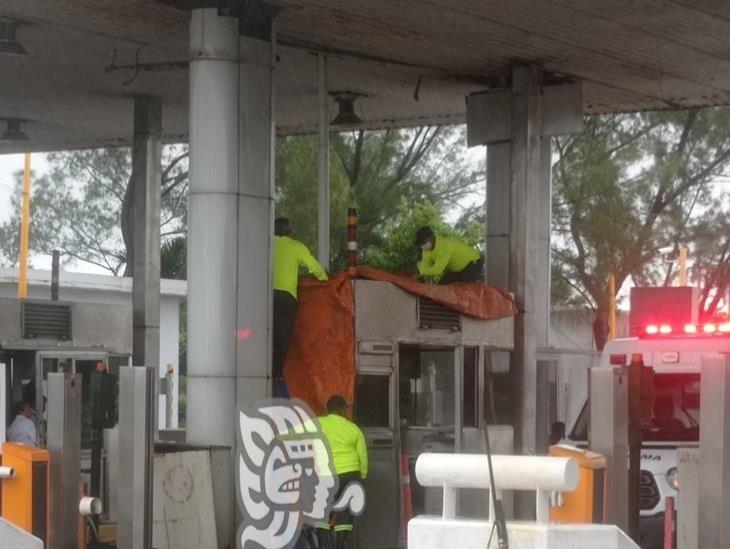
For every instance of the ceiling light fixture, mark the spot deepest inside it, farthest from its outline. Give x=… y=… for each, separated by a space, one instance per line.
x=9 y=44
x=346 y=104
x=13 y=132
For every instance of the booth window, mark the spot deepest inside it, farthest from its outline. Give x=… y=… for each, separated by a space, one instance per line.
x=470 y=379
x=426 y=386
x=372 y=400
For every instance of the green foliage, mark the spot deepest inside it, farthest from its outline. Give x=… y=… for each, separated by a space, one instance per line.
x=173 y=258
x=398 y=253
x=384 y=174
x=629 y=185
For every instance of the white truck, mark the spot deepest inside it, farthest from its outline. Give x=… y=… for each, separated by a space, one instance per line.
x=675 y=354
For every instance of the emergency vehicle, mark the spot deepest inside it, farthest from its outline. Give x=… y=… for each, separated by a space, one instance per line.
x=673 y=343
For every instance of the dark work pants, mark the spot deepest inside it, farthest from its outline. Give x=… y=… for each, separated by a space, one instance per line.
x=285 y=312
x=473 y=272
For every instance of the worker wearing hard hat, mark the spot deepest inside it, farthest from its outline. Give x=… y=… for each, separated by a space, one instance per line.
x=350 y=457
x=289 y=256
x=447 y=260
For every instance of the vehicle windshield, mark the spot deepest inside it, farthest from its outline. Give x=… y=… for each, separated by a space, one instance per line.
x=675 y=415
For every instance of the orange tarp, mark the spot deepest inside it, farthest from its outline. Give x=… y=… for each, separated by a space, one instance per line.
x=475 y=299
x=321 y=358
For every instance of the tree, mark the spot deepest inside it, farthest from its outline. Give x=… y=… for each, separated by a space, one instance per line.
x=375 y=172
x=83 y=207
x=628 y=185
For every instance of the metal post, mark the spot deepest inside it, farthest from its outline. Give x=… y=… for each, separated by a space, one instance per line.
x=682 y=265
x=688 y=462
x=212 y=233
x=169 y=392
x=137 y=422
x=64 y=447
x=612 y=307
x=147 y=174
x=323 y=166
x=3 y=400
x=55 y=272
x=714 y=489
x=634 y=436
x=609 y=437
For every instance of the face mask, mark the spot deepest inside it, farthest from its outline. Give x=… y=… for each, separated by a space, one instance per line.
x=427 y=247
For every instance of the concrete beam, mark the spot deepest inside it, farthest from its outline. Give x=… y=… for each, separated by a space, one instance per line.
x=146 y=179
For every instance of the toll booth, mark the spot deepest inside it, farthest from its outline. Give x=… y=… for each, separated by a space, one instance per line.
x=423 y=375
x=41 y=337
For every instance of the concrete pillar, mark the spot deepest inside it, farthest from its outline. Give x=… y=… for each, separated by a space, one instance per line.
x=526 y=134
x=147 y=176
x=544 y=227
x=230 y=235
x=714 y=488
x=516 y=125
x=212 y=229
x=323 y=166
x=255 y=222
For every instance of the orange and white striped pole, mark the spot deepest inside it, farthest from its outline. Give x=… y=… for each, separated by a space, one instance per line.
x=352 y=241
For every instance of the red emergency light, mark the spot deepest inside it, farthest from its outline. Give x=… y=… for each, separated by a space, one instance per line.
x=709 y=328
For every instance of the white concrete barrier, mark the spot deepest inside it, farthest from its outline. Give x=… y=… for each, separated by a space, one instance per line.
x=534 y=473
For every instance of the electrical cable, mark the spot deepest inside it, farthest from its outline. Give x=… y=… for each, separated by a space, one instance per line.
x=499 y=520
x=93 y=528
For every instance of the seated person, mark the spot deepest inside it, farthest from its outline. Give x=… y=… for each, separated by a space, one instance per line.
x=447 y=260
x=666 y=426
x=22 y=429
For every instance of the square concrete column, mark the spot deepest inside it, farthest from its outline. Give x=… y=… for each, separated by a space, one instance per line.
x=714 y=489
x=516 y=124
x=146 y=181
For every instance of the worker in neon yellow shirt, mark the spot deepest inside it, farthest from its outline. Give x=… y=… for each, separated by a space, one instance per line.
x=350 y=457
x=447 y=260
x=289 y=256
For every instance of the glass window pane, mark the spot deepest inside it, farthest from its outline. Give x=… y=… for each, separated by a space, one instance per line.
x=426 y=387
x=372 y=400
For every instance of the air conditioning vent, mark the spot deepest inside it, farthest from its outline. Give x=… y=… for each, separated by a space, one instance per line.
x=433 y=316
x=46 y=321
